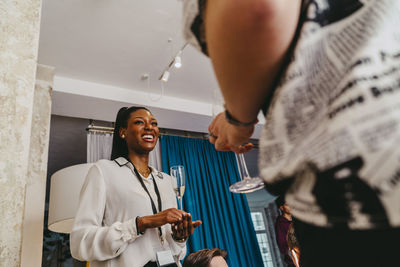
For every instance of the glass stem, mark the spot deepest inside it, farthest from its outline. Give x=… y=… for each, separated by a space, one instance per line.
x=180 y=203
x=242 y=167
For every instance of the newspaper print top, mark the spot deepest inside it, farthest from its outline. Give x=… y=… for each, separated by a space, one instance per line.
x=330 y=141
x=332 y=132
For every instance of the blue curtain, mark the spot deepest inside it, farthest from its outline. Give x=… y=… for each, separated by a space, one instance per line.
x=226 y=217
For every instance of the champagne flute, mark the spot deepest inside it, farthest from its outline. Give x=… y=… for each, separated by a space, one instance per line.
x=178 y=182
x=247 y=184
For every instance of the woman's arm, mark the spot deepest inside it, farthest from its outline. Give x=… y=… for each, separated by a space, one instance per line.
x=89 y=239
x=92 y=241
x=171 y=215
x=295 y=255
x=247 y=42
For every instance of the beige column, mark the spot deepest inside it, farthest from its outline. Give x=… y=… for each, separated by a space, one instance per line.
x=35 y=192
x=19 y=38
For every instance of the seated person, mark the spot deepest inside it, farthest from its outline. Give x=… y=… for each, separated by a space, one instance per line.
x=206 y=258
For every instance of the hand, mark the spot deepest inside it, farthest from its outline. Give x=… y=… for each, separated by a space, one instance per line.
x=166 y=216
x=185 y=228
x=226 y=136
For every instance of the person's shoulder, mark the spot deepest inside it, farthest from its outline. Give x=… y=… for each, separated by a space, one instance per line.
x=281 y=219
x=105 y=162
x=107 y=169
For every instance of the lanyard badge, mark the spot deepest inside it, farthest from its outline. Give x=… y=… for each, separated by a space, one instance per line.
x=153 y=206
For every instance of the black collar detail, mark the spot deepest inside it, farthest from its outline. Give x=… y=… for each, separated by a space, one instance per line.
x=121 y=161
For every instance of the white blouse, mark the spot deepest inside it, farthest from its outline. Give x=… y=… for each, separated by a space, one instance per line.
x=111 y=198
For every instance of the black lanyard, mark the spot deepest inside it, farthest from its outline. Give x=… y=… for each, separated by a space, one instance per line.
x=153 y=206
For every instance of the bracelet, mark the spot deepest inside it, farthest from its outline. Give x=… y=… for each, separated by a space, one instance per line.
x=179 y=240
x=137 y=227
x=230 y=119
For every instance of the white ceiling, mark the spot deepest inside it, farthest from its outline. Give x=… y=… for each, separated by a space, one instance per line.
x=115 y=42
x=101 y=48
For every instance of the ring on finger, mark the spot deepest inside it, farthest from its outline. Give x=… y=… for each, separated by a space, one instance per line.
x=212 y=135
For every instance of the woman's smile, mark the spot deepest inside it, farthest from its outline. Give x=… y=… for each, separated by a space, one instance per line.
x=148 y=137
x=142 y=131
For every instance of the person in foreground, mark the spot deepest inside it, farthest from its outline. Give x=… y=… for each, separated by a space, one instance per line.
x=127 y=211
x=282 y=224
x=206 y=258
x=326 y=75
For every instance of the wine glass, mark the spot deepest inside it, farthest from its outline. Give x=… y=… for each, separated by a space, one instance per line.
x=178 y=183
x=248 y=184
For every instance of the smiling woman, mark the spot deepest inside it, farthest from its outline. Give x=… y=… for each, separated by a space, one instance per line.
x=127 y=212
x=136 y=130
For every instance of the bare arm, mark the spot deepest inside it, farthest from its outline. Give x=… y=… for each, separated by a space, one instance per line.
x=247 y=41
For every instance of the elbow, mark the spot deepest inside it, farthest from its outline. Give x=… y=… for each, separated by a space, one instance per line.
x=249 y=15
x=74 y=247
x=266 y=15
x=260 y=11
x=257 y=12
x=77 y=246
x=75 y=254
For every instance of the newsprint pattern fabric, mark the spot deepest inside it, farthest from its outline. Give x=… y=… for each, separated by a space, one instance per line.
x=332 y=133
x=333 y=125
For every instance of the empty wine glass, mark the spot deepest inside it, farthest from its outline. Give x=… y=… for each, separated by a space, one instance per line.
x=178 y=183
x=248 y=184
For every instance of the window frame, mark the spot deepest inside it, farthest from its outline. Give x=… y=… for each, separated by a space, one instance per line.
x=270 y=233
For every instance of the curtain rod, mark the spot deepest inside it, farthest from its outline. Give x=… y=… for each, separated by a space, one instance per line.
x=111 y=131
x=105 y=129
x=187 y=134
x=198 y=136
x=99 y=129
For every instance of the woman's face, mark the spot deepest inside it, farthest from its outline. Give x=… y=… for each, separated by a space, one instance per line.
x=141 y=133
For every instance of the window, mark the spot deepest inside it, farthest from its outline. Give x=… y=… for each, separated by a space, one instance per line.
x=263 y=237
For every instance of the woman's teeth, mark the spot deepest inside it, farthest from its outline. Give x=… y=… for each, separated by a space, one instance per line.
x=148 y=137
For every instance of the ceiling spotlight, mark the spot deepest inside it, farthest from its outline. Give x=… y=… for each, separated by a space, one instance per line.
x=144 y=76
x=178 y=62
x=165 y=76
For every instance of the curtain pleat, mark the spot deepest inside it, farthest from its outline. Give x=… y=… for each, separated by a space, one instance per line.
x=99 y=146
x=226 y=216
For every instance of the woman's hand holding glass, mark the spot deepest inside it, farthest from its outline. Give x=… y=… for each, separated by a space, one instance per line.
x=171 y=216
x=181 y=222
x=185 y=228
x=228 y=137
